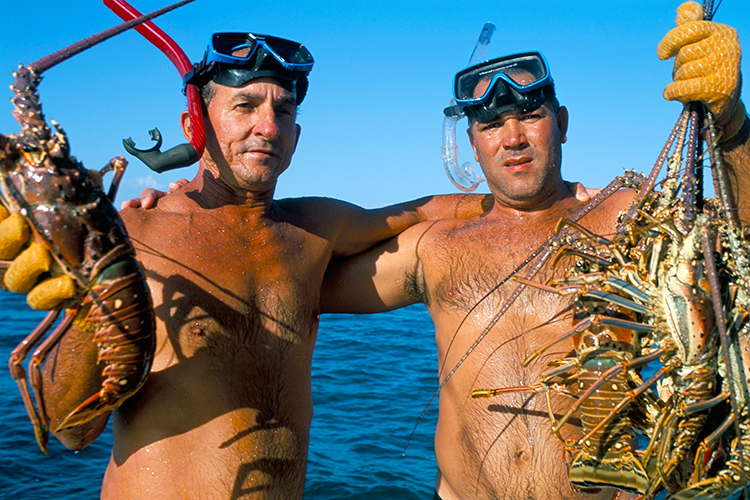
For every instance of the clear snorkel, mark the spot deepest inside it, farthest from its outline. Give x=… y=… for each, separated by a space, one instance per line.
x=463 y=177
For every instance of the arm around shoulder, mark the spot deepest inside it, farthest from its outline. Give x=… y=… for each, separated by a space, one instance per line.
x=381 y=279
x=360 y=229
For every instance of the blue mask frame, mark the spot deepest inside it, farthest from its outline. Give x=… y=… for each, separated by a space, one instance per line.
x=265 y=56
x=532 y=63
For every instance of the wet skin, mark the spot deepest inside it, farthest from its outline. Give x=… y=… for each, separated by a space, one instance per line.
x=235 y=277
x=498 y=448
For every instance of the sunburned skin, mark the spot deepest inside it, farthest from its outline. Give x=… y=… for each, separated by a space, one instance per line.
x=501 y=447
x=235 y=278
x=230 y=386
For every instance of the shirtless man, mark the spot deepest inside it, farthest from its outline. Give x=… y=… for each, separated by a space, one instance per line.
x=236 y=278
x=502 y=448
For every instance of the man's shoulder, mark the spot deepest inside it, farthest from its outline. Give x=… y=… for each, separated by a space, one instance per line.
x=428 y=234
x=311 y=205
x=604 y=216
x=619 y=200
x=144 y=221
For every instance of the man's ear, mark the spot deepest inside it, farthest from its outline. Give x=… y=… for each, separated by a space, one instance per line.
x=299 y=131
x=562 y=123
x=187 y=129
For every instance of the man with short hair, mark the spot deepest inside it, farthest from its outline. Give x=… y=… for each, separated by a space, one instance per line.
x=503 y=448
x=235 y=277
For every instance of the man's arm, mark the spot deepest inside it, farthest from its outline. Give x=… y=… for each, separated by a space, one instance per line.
x=386 y=277
x=736 y=156
x=707 y=69
x=359 y=229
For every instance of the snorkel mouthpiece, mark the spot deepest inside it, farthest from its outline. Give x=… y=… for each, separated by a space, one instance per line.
x=182 y=155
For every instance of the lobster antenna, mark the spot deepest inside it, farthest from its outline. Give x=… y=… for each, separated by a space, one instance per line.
x=709 y=10
x=61 y=55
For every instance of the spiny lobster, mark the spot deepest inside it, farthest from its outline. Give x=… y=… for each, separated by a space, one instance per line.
x=71 y=232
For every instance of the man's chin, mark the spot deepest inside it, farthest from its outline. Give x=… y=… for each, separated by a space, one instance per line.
x=522 y=196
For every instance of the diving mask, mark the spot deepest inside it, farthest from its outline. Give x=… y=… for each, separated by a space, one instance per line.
x=233 y=59
x=514 y=82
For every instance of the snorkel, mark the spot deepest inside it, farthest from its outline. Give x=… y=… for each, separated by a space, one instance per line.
x=182 y=155
x=463 y=177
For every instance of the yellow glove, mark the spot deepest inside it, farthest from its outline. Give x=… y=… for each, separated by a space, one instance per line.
x=707 y=67
x=28 y=265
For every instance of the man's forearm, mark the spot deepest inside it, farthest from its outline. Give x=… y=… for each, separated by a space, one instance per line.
x=454 y=206
x=736 y=157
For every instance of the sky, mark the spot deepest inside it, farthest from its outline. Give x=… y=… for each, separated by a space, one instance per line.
x=372 y=120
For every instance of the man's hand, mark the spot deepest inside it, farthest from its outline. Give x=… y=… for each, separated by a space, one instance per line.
x=706 y=67
x=149 y=196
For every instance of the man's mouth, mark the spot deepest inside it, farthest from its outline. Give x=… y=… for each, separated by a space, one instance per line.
x=261 y=153
x=260 y=148
x=517 y=162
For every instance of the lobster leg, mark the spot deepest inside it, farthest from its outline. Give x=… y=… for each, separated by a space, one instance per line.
x=116 y=165
x=40 y=355
x=733 y=478
x=583 y=325
x=19 y=354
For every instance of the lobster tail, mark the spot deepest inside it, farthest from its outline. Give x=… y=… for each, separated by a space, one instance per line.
x=622 y=471
x=121 y=310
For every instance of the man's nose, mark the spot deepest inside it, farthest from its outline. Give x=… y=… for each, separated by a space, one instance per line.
x=266 y=125
x=515 y=136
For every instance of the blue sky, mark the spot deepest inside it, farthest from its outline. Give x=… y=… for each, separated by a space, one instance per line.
x=371 y=124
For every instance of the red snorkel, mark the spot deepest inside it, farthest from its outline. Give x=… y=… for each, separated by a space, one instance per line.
x=184 y=154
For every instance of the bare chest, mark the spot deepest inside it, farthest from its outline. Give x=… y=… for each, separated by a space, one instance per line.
x=225 y=288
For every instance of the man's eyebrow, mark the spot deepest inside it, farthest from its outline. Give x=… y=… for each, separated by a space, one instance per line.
x=286 y=99
x=248 y=96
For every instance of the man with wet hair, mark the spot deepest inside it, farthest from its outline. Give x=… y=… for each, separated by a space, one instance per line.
x=235 y=277
x=502 y=448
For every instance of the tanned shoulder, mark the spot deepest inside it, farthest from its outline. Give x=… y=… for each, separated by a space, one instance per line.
x=604 y=218
x=313 y=210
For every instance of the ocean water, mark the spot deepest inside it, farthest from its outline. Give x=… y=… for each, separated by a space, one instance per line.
x=372 y=376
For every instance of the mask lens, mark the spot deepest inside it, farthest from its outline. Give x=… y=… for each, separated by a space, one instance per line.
x=524 y=72
x=289 y=51
x=235 y=45
x=241 y=46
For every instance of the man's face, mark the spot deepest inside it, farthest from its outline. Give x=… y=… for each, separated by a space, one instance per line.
x=520 y=153
x=251 y=133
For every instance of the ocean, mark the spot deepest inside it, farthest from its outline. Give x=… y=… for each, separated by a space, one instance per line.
x=372 y=376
